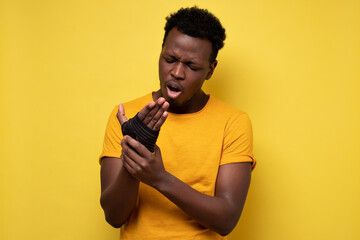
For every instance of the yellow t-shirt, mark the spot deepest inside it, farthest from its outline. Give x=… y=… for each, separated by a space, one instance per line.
x=193 y=146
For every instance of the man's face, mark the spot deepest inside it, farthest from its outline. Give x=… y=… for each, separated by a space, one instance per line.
x=183 y=67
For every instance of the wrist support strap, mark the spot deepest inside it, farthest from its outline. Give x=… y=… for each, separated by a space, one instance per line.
x=136 y=129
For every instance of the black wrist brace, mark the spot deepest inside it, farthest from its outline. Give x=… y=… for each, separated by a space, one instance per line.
x=136 y=129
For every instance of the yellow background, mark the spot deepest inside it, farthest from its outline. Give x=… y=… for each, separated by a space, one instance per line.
x=292 y=65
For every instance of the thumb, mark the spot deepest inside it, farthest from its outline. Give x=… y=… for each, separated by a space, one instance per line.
x=121 y=115
x=157 y=150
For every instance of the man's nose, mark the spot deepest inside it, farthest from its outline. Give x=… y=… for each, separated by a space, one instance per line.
x=178 y=71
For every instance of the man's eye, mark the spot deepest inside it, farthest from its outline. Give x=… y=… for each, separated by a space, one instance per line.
x=168 y=60
x=193 y=68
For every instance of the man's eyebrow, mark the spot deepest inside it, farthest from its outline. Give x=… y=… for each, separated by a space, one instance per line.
x=189 y=62
x=169 y=55
x=192 y=63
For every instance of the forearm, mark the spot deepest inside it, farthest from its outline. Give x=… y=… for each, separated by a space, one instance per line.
x=119 y=198
x=219 y=212
x=215 y=213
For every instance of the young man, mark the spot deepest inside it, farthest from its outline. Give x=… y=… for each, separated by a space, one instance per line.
x=193 y=183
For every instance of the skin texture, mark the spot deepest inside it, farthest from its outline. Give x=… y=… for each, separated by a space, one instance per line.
x=184 y=63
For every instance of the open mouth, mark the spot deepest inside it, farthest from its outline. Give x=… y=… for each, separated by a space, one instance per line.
x=173 y=91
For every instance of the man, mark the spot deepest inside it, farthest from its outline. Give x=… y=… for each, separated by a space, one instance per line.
x=193 y=183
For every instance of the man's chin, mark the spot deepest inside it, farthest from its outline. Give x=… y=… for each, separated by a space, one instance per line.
x=172 y=102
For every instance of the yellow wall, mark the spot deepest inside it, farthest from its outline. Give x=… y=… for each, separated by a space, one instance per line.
x=292 y=65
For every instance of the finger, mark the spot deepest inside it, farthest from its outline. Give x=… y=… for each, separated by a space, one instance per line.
x=161 y=121
x=127 y=150
x=121 y=114
x=157 y=150
x=158 y=117
x=135 y=149
x=153 y=111
x=134 y=160
x=154 y=115
x=145 y=110
x=128 y=166
x=157 y=153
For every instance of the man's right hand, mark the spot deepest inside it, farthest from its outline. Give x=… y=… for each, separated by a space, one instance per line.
x=153 y=114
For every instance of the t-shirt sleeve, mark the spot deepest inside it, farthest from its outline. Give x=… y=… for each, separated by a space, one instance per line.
x=238 y=140
x=113 y=136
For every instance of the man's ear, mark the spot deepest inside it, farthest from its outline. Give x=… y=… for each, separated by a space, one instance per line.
x=211 y=71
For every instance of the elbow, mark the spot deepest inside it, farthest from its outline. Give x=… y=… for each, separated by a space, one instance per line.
x=225 y=230
x=228 y=219
x=114 y=221
x=224 y=233
x=227 y=225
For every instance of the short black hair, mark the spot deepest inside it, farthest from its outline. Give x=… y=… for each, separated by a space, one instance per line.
x=199 y=23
